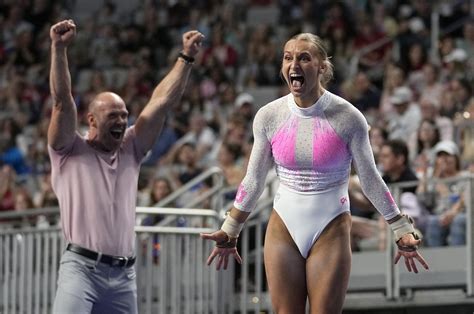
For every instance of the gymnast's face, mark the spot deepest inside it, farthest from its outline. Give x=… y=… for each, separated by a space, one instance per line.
x=302 y=69
x=107 y=121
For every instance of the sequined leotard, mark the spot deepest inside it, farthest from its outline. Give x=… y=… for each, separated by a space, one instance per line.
x=312 y=149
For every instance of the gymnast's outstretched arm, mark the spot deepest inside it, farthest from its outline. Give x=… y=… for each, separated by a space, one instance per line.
x=248 y=193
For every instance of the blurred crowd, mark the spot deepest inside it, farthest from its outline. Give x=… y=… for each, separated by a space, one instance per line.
x=415 y=90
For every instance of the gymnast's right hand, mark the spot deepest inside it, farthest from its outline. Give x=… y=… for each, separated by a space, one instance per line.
x=63 y=33
x=225 y=246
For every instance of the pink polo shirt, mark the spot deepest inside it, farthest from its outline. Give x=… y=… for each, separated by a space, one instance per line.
x=97 y=194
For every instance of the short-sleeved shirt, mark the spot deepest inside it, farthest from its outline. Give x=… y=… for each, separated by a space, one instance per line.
x=97 y=193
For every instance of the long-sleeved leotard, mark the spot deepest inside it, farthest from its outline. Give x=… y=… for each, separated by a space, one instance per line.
x=312 y=149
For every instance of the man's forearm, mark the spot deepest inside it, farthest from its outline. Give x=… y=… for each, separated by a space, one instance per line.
x=171 y=88
x=60 y=78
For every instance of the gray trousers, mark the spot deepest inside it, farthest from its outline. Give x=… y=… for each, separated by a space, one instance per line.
x=85 y=286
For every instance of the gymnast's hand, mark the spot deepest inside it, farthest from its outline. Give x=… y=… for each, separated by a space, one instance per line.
x=63 y=33
x=408 y=248
x=225 y=246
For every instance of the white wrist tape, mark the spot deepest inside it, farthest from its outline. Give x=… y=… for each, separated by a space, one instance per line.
x=402 y=226
x=232 y=227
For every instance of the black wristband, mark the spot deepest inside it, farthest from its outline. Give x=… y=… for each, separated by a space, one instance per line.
x=187 y=59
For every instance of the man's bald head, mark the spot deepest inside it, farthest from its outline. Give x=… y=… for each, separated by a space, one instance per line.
x=105 y=99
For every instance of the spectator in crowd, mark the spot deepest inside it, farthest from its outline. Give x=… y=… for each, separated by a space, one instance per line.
x=377 y=136
x=162 y=146
x=10 y=153
x=465 y=133
x=466 y=43
x=45 y=196
x=446 y=221
x=447 y=106
x=430 y=87
x=185 y=164
x=430 y=111
x=219 y=50
x=407 y=117
x=160 y=189
x=245 y=106
x=462 y=92
x=234 y=132
x=261 y=65
x=368 y=33
x=23 y=202
x=422 y=144
x=234 y=172
x=394 y=78
x=367 y=95
x=7 y=188
x=417 y=58
x=395 y=165
x=200 y=135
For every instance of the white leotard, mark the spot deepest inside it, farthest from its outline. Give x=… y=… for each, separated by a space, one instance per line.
x=312 y=150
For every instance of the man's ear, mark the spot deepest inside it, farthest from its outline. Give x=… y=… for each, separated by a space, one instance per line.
x=91 y=119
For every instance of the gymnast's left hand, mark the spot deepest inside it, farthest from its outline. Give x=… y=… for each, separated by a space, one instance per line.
x=225 y=246
x=408 y=248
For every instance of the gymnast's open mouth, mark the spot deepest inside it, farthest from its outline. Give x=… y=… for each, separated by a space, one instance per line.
x=296 y=80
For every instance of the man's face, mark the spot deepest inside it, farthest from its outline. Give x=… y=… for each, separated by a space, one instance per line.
x=109 y=118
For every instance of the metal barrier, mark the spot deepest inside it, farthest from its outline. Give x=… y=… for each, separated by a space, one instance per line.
x=28 y=269
x=174 y=278
x=373 y=272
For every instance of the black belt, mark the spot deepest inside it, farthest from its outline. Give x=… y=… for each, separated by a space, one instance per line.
x=115 y=261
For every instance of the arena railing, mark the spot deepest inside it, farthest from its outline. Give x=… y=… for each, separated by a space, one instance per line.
x=451 y=266
x=172 y=276
x=373 y=274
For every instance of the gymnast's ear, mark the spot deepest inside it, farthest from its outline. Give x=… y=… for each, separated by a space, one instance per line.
x=322 y=69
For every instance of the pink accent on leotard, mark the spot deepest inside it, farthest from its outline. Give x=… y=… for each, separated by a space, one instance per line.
x=241 y=193
x=390 y=197
x=329 y=150
x=284 y=143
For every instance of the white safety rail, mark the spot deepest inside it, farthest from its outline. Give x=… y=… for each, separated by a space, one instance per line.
x=372 y=273
x=175 y=279
x=29 y=260
x=172 y=275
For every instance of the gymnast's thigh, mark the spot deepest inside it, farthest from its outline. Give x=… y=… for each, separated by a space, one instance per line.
x=285 y=269
x=328 y=267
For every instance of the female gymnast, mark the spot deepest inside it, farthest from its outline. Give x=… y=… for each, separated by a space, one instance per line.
x=311 y=136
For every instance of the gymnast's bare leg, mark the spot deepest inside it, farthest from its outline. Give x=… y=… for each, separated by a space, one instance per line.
x=323 y=276
x=285 y=269
x=328 y=267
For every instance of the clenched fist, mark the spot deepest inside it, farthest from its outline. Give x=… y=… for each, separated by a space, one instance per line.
x=192 y=43
x=62 y=33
